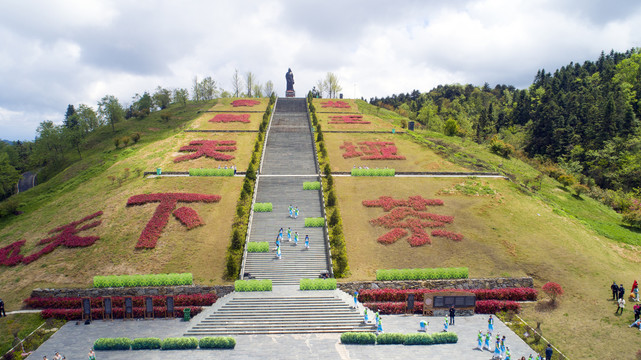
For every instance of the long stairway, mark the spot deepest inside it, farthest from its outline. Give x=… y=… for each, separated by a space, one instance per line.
x=289 y=160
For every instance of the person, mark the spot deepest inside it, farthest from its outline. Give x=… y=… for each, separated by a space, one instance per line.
x=2 y=312
x=280 y=234
x=234 y=167
x=92 y=355
x=289 y=234
x=488 y=335
x=503 y=347
x=365 y=316
x=446 y=326
x=615 y=290
x=356 y=301
x=296 y=212
x=278 y=252
x=620 y=306
x=621 y=291
x=497 y=349
x=479 y=340
x=635 y=292
x=452 y=313
x=295 y=238
x=306 y=241
x=548 y=352
x=636 y=323
x=508 y=356
x=45 y=358
x=490 y=324
x=58 y=356
x=291 y=211
x=637 y=311
x=422 y=326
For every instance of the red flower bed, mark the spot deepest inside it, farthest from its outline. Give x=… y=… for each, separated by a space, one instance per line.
x=494 y=306
x=415 y=202
x=209 y=148
x=392 y=236
x=118 y=301
x=347 y=119
x=447 y=234
x=482 y=307
x=188 y=217
x=372 y=150
x=10 y=255
x=250 y=103
x=226 y=118
x=335 y=104
x=158 y=221
x=118 y=313
x=395 y=295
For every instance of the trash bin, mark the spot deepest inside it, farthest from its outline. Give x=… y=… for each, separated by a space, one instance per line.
x=158 y=171
x=393 y=131
x=186 y=314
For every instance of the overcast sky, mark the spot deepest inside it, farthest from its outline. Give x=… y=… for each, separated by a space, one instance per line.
x=54 y=53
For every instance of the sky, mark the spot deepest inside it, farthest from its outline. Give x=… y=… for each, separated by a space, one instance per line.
x=55 y=52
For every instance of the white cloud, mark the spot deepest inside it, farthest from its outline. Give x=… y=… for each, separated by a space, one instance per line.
x=63 y=52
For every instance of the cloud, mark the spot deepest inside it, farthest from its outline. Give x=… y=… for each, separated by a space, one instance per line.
x=63 y=52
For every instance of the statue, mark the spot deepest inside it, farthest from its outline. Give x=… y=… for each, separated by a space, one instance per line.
x=290 y=80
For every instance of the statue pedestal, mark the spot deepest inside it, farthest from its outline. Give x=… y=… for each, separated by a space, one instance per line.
x=290 y=93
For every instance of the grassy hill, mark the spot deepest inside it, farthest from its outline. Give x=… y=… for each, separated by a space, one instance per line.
x=510 y=227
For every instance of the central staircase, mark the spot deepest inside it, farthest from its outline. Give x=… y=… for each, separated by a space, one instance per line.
x=289 y=160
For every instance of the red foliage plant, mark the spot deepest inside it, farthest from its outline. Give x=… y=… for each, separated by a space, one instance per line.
x=335 y=104
x=225 y=118
x=410 y=214
x=395 y=295
x=118 y=313
x=10 y=255
x=372 y=150
x=553 y=290
x=167 y=203
x=209 y=148
x=118 y=301
x=482 y=307
x=348 y=119
x=250 y=103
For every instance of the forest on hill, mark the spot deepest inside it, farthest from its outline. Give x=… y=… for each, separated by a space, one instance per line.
x=579 y=124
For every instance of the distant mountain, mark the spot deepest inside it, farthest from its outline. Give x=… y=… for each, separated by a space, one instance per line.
x=7 y=141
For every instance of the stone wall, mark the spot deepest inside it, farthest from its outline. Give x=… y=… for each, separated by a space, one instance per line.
x=220 y=291
x=461 y=284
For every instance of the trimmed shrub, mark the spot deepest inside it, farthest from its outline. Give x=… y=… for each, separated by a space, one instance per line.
x=179 y=343
x=146 y=344
x=495 y=306
x=262 y=246
x=143 y=280
x=445 y=338
x=263 y=207
x=315 y=222
x=419 y=339
x=311 y=185
x=318 y=284
x=359 y=338
x=373 y=172
x=253 y=285
x=112 y=344
x=211 y=172
x=331 y=198
x=422 y=274
x=391 y=339
x=398 y=295
x=217 y=342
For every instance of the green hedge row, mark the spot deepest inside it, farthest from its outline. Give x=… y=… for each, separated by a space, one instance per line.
x=263 y=207
x=211 y=172
x=311 y=185
x=360 y=338
x=178 y=343
x=373 y=172
x=422 y=274
x=318 y=284
x=253 y=285
x=143 y=280
x=262 y=246
x=315 y=222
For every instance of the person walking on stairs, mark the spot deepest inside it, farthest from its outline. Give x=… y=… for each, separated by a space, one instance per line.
x=296 y=238
x=296 y=212
x=278 y=255
x=289 y=234
x=307 y=242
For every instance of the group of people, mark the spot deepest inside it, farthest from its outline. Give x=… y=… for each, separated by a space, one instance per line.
x=57 y=356
x=501 y=350
x=231 y=167
x=293 y=211
x=279 y=239
x=618 y=295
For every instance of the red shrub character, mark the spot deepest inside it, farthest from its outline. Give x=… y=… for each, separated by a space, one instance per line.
x=168 y=201
x=188 y=217
x=250 y=103
x=209 y=148
x=10 y=255
x=226 y=118
x=347 y=119
x=335 y=104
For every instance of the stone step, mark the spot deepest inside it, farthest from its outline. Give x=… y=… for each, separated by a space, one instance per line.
x=222 y=332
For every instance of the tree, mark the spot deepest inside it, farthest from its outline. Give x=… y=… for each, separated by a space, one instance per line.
x=269 y=88
x=88 y=118
x=331 y=84
x=250 y=78
x=74 y=137
x=142 y=106
x=236 y=83
x=70 y=120
x=553 y=290
x=181 y=96
x=195 y=89
x=161 y=98
x=321 y=88
x=258 y=90
x=50 y=143
x=110 y=110
x=451 y=127
x=208 y=88
x=9 y=176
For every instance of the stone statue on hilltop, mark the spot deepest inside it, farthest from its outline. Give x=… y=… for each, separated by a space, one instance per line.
x=290 y=80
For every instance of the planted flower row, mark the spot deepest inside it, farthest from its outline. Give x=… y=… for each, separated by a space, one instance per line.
x=210 y=148
x=335 y=104
x=399 y=295
x=250 y=103
x=362 y=338
x=373 y=172
x=422 y=274
x=179 y=343
x=188 y=217
x=315 y=222
x=226 y=118
x=482 y=307
x=415 y=202
x=143 y=280
x=263 y=207
x=211 y=172
x=118 y=312
x=348 y=119
x=371 y=150
x=118 y=301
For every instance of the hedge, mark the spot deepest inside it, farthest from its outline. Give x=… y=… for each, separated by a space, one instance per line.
x=422 y=274
x=315 y=222
x=360 y=338
x=482 y=307
x=263 y=207
x=390 y=339
x=179 y=343
x=429 y=339
x=143 y=280
x=383 y=295
x=146 y=344
x=218 y=342
x=373 y=172
x=253 y=285
x=318 y=284
x=261 y=246
x=118 y=313
x=311 y=185
x=120 y=343
x=211 y=172
x=118 y=301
